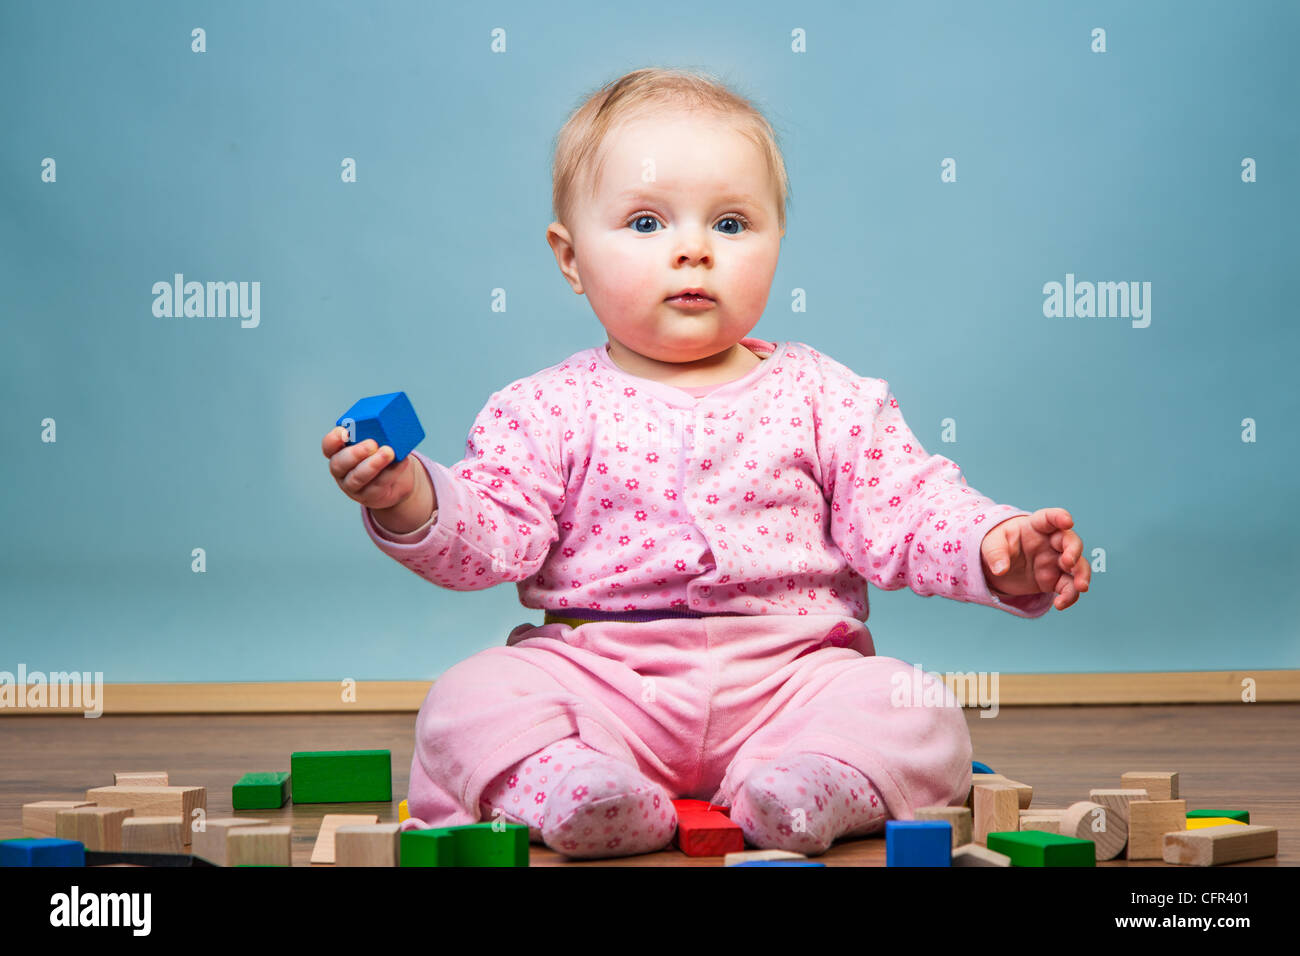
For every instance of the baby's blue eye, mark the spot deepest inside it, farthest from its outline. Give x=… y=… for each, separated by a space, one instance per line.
x=635 y=221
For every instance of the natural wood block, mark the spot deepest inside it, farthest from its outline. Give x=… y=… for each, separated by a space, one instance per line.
x=1200 y=823
x=972 y=854
x=1086 y=820
x=750 y=856
x=1024 y=792
x=978 y=778
x=152 y=835
x=997 y=809
x=259 y=846
x=99 y=828
x=1148 y=822
x=371 y=845
x=38 y=818
x=155 y=802
x=141 y=778
x=1116 y=801
x=1159 y=784
x=211 y=842
x=323 y=851
x=1214 y=846
x=959 y=817
x=1049 y=821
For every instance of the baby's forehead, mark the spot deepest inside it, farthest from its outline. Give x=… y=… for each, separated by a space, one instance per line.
x=646 y=160
x=649 y=129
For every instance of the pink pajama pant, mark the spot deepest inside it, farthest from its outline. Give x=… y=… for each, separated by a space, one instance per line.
x=694 y=702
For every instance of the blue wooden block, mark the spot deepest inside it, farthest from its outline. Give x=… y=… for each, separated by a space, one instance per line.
x=776 y=863
x=977 y=767
x=918 y=843
x=46 y=851
x=388 y=419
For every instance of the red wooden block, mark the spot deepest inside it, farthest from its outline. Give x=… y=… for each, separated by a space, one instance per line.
x=689 y=805
x=707 y=833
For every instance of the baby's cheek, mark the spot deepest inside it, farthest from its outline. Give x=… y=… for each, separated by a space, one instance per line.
x=754 y=282
x=623 y=286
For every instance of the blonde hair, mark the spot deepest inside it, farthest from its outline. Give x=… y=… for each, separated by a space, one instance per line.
x=578 y=143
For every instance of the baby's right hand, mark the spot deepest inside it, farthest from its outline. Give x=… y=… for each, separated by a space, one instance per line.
x=363 y=473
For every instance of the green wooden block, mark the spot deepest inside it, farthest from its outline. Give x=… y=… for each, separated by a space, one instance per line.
x=1040 y=848
x=426 y=848
x=342 y=776
x=1242 y=815
x=477 y=844
x=260 y=791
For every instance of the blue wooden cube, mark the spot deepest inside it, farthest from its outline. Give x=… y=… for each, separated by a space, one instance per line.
x=46 y=851
x=918 y=843
x=388 y=419
x=776 y=863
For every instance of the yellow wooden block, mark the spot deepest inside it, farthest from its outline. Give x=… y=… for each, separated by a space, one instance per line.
x=1198 y=823
x=402 y=812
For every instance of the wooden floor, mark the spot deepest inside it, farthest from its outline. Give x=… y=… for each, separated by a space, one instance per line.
x=1228 y=756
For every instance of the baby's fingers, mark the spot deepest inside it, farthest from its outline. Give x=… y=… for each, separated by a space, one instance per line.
x=1066 y=593
x=347 y=458
x=1071 y=547
x=364 y=473
x=1082 y=575
x=334 y=439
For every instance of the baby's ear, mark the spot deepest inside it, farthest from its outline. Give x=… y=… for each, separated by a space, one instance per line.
x=561 y=243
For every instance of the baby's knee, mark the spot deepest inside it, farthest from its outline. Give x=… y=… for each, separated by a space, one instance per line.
x=478 y=678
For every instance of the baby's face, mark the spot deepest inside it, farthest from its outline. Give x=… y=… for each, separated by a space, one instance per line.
x=706 y=219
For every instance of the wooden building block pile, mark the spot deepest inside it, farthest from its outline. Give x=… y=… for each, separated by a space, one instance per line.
x=1143 y=818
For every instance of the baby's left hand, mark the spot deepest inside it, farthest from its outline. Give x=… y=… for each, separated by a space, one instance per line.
x=1043 y=554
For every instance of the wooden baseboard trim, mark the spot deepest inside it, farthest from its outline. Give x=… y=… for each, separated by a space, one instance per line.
x=1009 y=690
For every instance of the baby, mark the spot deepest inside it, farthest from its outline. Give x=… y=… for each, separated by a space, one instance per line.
x=698 y=513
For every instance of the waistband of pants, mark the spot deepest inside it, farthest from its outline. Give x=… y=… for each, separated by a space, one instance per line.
x=585 y=615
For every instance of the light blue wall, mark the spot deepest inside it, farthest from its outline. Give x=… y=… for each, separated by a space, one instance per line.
x=174 y=434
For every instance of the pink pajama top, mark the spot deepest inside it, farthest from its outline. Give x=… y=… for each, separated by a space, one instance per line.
x=782 y=492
